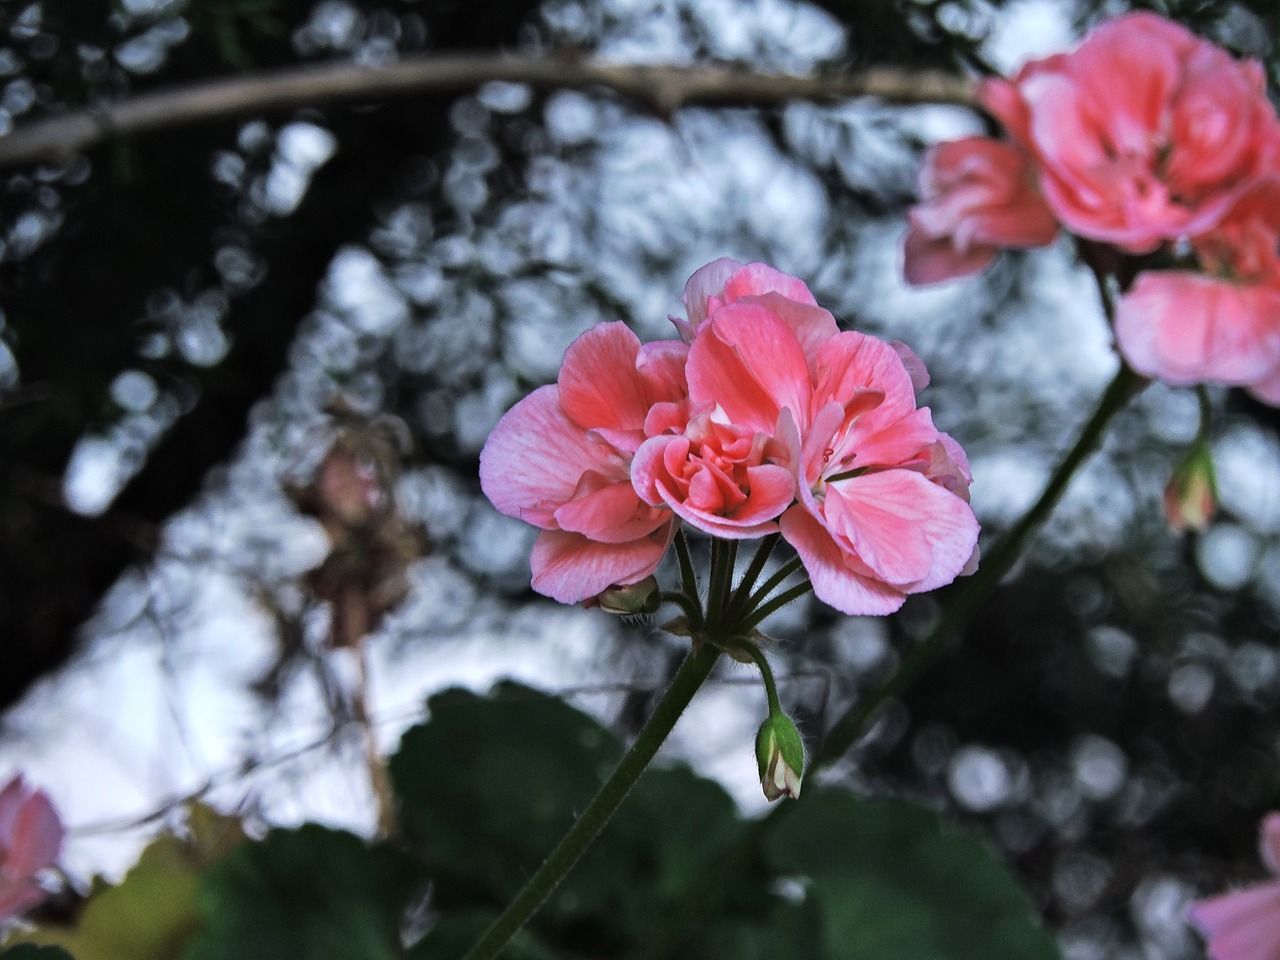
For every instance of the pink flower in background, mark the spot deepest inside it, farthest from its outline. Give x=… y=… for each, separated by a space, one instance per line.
x=1245 y=924
x=560 y=459
x=1221 y=325
x=977 y=196
x=30 y=840
x=1144 y=134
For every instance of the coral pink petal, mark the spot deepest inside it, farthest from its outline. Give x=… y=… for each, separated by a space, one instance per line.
x=1187 y=328
x=612 y=514
x=834 y=582
x=599 y=385
x=928 y=260
x=661 y=367
x=897 y=442
x=914 y=366
x=37 y=836
x=759 y=278
x=706 y=282
x=852 y=362
x=534 y=457
x=811 y=324
x=908 y=531
x=750 y=363
x=570 y=568
x=11 y=797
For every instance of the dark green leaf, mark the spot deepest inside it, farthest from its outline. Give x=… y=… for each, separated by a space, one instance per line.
x=29 y=951
x=310 y=892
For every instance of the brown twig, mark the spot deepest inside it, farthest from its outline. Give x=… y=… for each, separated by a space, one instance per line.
x=663 y=87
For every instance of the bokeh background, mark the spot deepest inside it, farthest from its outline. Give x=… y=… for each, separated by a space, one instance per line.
x=193 y=321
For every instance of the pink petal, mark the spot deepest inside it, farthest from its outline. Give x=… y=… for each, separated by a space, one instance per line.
x=834 y=582
x=852 y=362
x=1267 y=389
x=909 y=532
x=1189 y=328
x=37 y=836
x=914 y=366
x=749 y=362
x=11 y=797
x=599 y=385
x=706 y=282
x=570 y=568
x=535 y=456
x=1269 y=841
x=811 y=324
x=756 y=279
x=612 y=513
x=17 y=898
x=928 y=260
x=1242 y=925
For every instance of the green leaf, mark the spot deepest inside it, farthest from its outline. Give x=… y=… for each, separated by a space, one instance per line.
x=310 y=892
x=897 y=882
x=29 y=951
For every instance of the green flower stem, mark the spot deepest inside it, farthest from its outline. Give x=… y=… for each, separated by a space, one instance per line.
x=687 y=577
x=756 y=617
x=1206 y=416
x=738 y=601
x=695 y=669
x=723 y=555
x=786 y=570
x=766 y=674
x=971 y=592
x=686 y=603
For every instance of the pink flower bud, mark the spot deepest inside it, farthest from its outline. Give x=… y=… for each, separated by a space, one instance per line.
x=1191 y=496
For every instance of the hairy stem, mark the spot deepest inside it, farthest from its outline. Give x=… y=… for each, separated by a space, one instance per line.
x=695 y=669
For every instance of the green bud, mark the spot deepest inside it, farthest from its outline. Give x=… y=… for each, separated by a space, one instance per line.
x=634 y=599
x=780 y=754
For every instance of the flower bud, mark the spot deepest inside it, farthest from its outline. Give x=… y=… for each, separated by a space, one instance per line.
x=1191 y=496
x=780 y=753
x=634 y=599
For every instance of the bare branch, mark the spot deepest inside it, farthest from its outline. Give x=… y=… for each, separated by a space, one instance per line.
x=663 y=87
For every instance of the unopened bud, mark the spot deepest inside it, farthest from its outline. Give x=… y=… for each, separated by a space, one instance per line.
x=780 y=753
x=1191 y=497
x=635 y=599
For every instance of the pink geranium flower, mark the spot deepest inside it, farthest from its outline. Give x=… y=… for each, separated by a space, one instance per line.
x=876 y=502
x=1221 y=325
x=1144 y=134
x=560 y=459
x=1245 y=924
x=977 y=196
x=30 y=840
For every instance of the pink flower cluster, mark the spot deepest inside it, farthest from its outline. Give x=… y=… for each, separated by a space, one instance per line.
x=1245 y=924
x=30 y=840
x=1152 y=141
x=763 y=417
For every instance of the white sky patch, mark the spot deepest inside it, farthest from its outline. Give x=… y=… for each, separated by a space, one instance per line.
x=1028 y=30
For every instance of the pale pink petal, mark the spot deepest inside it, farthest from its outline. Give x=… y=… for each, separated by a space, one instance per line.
x=909 y=532
x=660 y=365
x=610 y=514
x=570 y=568
x=1188 y=328
x=1242 y=925
x=37 y=837
x=706 y=282
x=854 y=362
x=834 y=581
x=755 y=279
x=893 y=443
x=749 y=363
x=535 y=456
x=1267 y=389
x=599 y=384
x=914 y=366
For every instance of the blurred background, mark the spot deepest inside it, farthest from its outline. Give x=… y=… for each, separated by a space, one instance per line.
x=247 y=367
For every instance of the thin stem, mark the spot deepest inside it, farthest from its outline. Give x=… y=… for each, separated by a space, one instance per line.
x=777 y=603
x=1206 y=415
x=686 y=603
x=695 y=669
x=766 y=674
x=723 y=554
x=968 y=595
x=786 y=570
x=688 y=578
x=738 y=601
x=379 y=778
